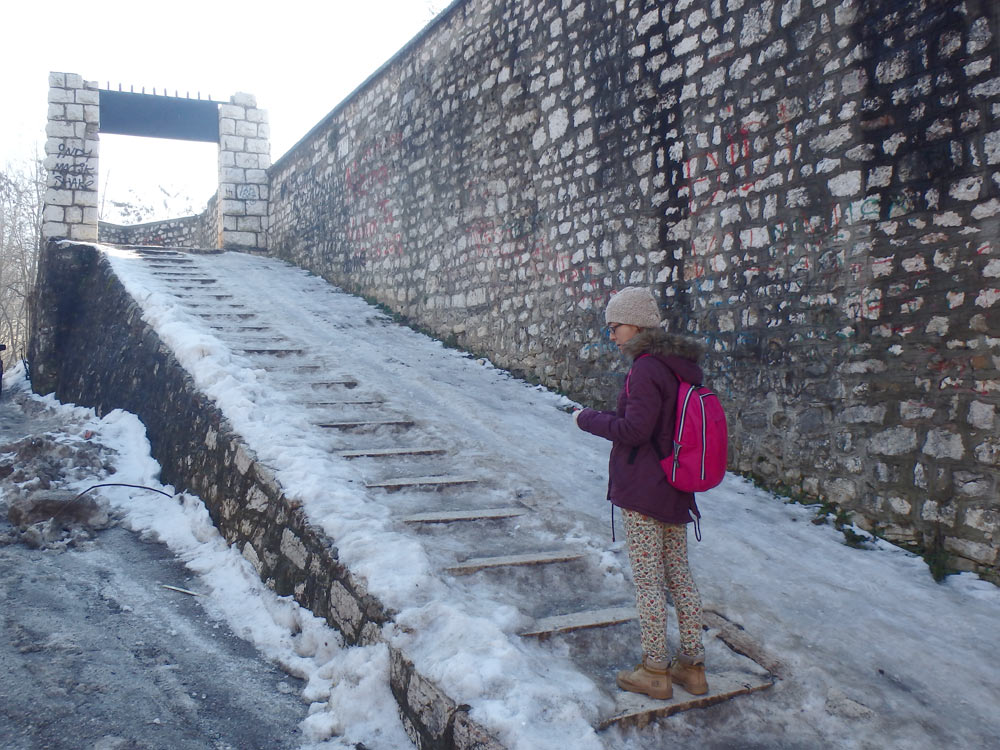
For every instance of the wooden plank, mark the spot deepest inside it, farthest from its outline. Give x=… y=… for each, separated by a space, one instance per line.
x=635 y=710
x=386 y=452
x=739 y=640
x=274 y=352
x=594 y=618
x=505 y=561
x=347 y=402
x=348 y=424
x=447 y=516
x=439 y=481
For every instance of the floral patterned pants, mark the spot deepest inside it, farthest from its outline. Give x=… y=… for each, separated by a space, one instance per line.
x=658 y=552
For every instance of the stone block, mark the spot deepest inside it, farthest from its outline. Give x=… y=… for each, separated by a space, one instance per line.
x=246 y=129
x=247 y=161
x=83 y=232
x=86 y=198
x=53 y=213
x=227 y=126
x=243 y=99
x=256 y=176
x=978 y=552
x=51 y=229
x=239 y=239
x=61 y=96
x=57 y=197
x=944 y=444
x=232 y=174
x=87 y=96
x=256 y=208
x=57 y=112
x=251 y=556
x=982 y=416
x=293 y=550
x=231 y=207
x=893 y=442
x=232 y=143
x=59 y=129
x=57 y=80
x=258 y=145
x=74 y=81
x=232 y=112
x=345 y=610
x=433 y=708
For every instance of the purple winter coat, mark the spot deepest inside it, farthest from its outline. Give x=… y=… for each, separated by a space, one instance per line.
x=636 y=481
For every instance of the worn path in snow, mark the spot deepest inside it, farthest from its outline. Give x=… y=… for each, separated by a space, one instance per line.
x=475 y=510
x=95 y=653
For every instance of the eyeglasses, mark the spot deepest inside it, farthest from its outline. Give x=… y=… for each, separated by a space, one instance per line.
x=612 y=327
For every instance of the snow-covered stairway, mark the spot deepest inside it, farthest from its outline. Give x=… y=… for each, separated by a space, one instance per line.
x=440 y=479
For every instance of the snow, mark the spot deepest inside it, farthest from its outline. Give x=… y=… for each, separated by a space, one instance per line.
x=873 y=651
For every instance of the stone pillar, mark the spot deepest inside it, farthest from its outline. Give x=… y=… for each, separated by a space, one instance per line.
x=244 y=156
x=71 y=159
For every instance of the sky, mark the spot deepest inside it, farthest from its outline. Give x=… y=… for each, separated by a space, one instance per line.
x=300 y=59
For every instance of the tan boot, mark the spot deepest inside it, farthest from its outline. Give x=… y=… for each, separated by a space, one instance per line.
x=689 y=673
x=648 y=678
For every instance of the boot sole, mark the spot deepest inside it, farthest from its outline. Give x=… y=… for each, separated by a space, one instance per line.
x=689 y=690
x=654 y=694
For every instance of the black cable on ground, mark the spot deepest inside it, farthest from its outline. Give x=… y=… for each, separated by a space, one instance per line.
x=109 y=484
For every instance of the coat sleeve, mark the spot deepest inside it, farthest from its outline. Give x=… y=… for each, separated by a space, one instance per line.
x=649 y=397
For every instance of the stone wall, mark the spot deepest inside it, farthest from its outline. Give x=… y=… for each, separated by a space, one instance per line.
x=90 y=346
x=812 y=186
x=189 y=231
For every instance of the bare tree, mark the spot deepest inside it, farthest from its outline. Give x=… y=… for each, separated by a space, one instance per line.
x=22 y=189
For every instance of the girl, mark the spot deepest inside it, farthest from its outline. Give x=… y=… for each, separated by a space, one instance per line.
x=656 y=514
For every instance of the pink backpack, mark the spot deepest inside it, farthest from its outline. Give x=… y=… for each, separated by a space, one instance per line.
x=701 y=440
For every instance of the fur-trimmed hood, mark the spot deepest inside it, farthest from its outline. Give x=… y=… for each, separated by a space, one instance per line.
x=658 y=342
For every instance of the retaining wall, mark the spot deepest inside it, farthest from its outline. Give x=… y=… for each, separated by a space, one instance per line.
x=91 y=347
x=812 y=186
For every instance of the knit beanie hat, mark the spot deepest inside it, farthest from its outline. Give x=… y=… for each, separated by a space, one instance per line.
x=635 y=306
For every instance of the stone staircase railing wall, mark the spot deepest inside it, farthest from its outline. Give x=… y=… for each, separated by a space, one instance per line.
x=812 y=186
x=91 y=347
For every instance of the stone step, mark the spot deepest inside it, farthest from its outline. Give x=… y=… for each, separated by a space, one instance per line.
x=351 y=424
x=594 y=618
x=448 y=516
x=635 y=710
x=402 y=482
x=474 y=565
x=388 y=452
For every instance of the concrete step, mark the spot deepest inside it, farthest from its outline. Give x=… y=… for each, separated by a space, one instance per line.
x=403 y=482
x=474 y=565
x=448 y=516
